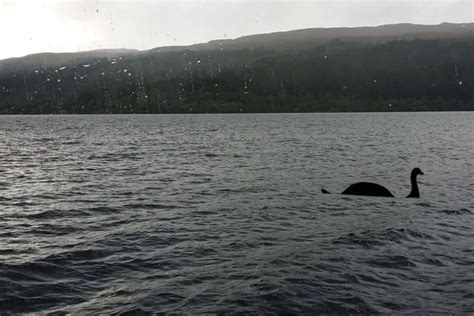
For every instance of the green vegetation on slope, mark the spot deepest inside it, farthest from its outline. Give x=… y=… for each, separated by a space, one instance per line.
x=399 y=75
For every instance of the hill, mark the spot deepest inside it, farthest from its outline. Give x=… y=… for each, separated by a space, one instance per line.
x=385 y=68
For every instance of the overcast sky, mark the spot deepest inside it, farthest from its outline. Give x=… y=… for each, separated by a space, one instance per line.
x=32 y=26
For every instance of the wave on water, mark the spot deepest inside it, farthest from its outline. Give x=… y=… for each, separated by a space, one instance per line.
x=461 y=211
x=162 y=214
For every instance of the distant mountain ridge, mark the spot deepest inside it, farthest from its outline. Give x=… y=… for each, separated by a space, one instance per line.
x=401 y=67
x=284 y=40
x=58 y=59
x=312 y=36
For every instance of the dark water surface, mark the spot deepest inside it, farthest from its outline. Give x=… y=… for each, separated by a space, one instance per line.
x=224 y=213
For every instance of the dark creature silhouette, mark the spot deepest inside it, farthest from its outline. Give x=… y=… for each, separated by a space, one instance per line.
x=373 y=189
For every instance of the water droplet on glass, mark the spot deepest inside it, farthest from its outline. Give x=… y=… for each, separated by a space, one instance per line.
x=86 y=66
x=460 y=83
x=59 y=80
x=198 y=61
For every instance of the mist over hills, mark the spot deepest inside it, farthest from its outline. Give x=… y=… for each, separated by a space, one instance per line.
x=306 y=38
x=385 y=68
x=45 y=60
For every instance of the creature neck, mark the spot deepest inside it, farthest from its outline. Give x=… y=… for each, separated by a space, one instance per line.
x=415 y=193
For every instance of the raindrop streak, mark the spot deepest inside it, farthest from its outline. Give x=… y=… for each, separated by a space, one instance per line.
x=457 y=75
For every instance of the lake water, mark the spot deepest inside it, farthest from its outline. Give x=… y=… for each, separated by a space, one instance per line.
x=224 y=213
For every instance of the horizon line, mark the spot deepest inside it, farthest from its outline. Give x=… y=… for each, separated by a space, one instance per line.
x=228 y=39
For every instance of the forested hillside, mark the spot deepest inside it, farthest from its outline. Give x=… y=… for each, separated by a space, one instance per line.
x=386 y=73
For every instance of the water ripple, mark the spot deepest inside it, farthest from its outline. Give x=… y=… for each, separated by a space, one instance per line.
x=221 y=214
